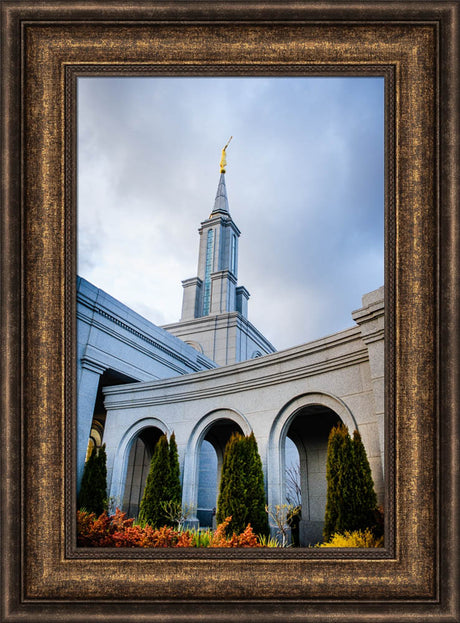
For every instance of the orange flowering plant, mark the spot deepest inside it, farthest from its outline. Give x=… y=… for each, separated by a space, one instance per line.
x=118 y=531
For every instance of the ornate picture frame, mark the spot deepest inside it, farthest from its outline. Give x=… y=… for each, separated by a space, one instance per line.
x=45 y=47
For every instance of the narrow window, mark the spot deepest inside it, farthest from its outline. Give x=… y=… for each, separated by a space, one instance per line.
x=207 y=272
x=233 y=258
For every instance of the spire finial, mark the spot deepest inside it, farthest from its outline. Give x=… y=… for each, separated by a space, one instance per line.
x=223 y=159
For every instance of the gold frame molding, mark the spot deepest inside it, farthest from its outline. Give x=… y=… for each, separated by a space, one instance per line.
x=45 y=46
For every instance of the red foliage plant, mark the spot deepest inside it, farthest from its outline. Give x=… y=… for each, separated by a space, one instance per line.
x=118 y=531
x=246 y=539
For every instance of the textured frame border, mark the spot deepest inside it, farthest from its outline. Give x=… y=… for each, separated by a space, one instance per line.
x=418 y=579
x=71 y=74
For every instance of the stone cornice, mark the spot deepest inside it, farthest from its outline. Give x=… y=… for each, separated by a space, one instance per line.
x=255 y=373
x=88 y=363
x=369 y=313
x=157 y=344
x=222 y=319
x=181 y=393
x=192 y=281
x=370 y=319
x=219 y=321
x=373 y=336
x=242 y=290
x=372 y=309
x=223 y=274
x=221 y=219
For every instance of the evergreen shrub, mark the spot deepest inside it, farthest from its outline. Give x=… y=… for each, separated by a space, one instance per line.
x=162 y=491
x=156 y=492
x=174 y=487
x=93 y=488
x=241 y=490
x=366 y=499
x=351 y=501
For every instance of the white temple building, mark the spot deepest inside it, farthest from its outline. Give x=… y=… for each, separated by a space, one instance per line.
x=213 y=373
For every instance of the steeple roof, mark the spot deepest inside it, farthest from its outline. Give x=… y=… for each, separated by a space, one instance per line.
x=221 y=200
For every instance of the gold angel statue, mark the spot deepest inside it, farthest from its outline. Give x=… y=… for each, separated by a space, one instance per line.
x=223 y=159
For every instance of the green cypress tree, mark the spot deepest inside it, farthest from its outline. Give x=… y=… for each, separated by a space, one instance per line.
x=156 y=489
x=223 y=499
x=347 y=485
x=366 y=499
x=102 y=476
x=333 y=471
x=258 y=517
x=351 y=499
x=232 y=485
x=241 y=491
x=85 y=496
x=93 y=489
x=175 y=492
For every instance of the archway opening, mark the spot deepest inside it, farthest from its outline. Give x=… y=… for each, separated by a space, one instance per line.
x=309 y=431
x=139 y=459
x=292 y=474
x=211 y=454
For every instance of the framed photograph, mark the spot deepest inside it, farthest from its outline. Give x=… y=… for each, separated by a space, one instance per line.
x=198 y=361
x=72 y=345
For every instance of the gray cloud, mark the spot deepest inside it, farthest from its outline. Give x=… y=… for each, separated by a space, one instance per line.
x=305 y=185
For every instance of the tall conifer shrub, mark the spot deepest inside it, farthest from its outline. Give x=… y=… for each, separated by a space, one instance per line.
x=351 y=499
x=232 y=485
x=241 y=490
x=93 y=489
x=256 y=491
x=156 y=489
x=175 y=492
x=334 y=470
x=366 y=498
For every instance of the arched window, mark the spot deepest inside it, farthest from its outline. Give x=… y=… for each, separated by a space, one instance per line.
x=95 y=437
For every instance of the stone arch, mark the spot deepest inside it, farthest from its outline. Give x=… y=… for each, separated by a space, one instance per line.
x=325 y=410
x=120 y=462
x=198 y=434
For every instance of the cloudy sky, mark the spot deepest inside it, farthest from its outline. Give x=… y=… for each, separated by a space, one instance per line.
x=305 y=183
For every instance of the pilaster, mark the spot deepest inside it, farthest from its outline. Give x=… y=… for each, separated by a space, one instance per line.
x=191 y=302
x=222 y=292
x=370 y=319
x=90 y=373
x=242 y=298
